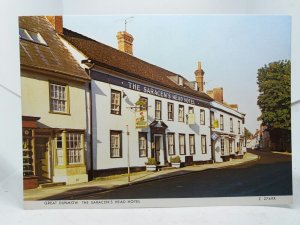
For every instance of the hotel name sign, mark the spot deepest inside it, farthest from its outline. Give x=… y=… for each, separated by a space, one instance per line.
x=146 y=89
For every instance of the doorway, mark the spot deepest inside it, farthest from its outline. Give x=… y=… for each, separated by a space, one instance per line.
x=159 y=152
x=43 y=157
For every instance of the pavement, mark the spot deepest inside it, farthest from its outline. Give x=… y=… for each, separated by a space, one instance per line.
x=118 y=181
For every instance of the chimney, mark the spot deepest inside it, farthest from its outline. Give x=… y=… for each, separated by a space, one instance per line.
x=199 y=74
x=57 y=23
x=218 y=94
x=234 y=106
x=125 y=42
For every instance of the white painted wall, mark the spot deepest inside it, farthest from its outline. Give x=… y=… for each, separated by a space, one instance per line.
x=35 y=101
x=234 y=115
x=104 y=121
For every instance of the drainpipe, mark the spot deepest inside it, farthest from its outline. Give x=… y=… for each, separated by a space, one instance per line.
x=90 y=65
x=211 y=141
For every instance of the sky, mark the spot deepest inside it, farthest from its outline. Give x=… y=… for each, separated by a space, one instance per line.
x=231 y=48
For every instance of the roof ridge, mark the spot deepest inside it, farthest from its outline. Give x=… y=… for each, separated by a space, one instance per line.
x=119 y=51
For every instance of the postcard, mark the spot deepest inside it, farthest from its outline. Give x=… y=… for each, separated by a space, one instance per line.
x=156 y=110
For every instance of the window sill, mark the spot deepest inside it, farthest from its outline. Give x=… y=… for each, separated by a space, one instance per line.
x=60 y=113
x=75 y=165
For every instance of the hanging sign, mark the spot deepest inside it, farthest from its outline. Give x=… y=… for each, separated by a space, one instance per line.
x=191 y=118
x=216 y=123
x=141 y=114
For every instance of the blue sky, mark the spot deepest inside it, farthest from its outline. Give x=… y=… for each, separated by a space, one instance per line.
x=231 y=48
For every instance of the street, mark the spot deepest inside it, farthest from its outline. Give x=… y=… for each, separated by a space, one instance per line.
x=270 y=175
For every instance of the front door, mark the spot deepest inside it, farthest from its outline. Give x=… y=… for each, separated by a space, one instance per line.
x=43 y=157
x=159 y=150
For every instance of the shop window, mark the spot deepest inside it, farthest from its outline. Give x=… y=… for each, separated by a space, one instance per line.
x=74 y=148
x=59 y=150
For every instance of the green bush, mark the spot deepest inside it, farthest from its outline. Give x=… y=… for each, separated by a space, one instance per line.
x=151 y=161
x=175 y=159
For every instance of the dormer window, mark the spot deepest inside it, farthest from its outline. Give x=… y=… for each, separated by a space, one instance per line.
x=31 y=36
x=180 y=81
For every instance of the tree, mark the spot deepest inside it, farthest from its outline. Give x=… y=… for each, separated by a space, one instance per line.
x=274 y=100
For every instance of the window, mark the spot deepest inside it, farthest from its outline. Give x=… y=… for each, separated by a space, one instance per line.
x=192 y=143
x=180 y=81
x=59 y=151
x=212 y=119
x=157 y=109
x=230 y=146
x=231 y=125
x=115 y=144
x=115 y=102
x=237 y=147
x=170 y=111
x=31 y=36
x=181 y=113
x=74 y=148
x=221 y=122
x=171 y=143
x=239 y=127
x=203 y=144
x=58 y=98
x=143 y=144
x=202 y=116
x=222 y=146
x=182 y=144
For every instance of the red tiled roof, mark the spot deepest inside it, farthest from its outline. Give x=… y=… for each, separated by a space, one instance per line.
x=52 y=57
x=112 y=58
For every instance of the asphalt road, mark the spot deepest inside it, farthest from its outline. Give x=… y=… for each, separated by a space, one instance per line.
x=270 y=175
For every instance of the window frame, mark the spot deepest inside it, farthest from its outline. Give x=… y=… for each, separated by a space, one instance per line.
x=212 y=118
x=171 y=112
x=221 y=122
x=202 y=116
x=81 y=149
x=168 y=143
x=158 y=110
x=222 y=143
x=194 y=144
x=37 y=39
x=205 y=144
x=179 y=107
x=143 y=134
x=66 y=100
x=231 y=125
x=239 y=127
x=111 y=103
x=119 y=132
x=180 y=144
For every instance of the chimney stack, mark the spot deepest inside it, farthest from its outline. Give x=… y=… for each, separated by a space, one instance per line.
x=57 y=23
x=218 y=94
x=125 y=42
x=199 y=74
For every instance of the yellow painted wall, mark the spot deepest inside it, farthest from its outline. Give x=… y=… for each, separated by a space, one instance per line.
x=35 y=101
